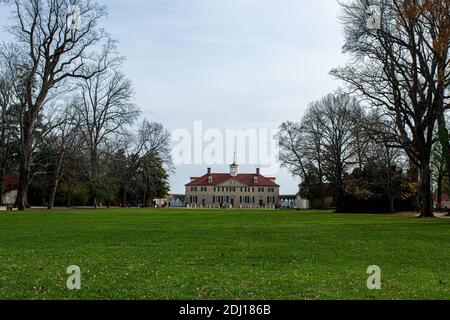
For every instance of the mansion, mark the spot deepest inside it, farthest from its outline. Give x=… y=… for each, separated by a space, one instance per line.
x=232 y=190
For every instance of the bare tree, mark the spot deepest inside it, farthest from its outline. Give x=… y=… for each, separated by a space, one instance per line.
x=403 y=67
x=321 y=147
x=384 y=157
x=56 y=51
x=153 y=154
x=362 y=138
x=6 y=112
x=336 y=116
x=65 y=140
x=104 y=105
x=13 y=73
x=313 y=141
x=298 y=147
x=153 y=138
x=439 y=170
x=292 y=149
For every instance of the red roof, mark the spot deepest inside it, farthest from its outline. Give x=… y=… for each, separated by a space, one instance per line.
x=245 y=179
x=445 y=197
x=10 y=182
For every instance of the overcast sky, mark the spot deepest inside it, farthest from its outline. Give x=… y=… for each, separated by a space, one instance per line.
x=229 y=63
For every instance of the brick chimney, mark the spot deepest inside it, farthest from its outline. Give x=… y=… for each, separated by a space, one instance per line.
x=258 y=171
x=209 y=171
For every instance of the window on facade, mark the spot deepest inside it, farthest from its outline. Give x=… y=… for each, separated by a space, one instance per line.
x=210 y=180
x=271 y=200
x=194 y=189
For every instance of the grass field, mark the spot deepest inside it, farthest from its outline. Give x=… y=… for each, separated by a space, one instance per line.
x=248 y=254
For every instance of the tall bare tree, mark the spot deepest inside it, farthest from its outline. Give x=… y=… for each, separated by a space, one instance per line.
x=292 y=149
x=385 y=153
x=153 y=154
x=65 y=140
x=13 y=73
x=439 y=170
x=336 y=116
x=57 y=46
x=139 y=162
x=402 y=67
x=301 y=154
x=104 y=105
x=6 y=113
x=313 y=143
x=322 y=146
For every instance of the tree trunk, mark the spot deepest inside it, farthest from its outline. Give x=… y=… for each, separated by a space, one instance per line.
x=4 y=154
x=93 y=172
x=25 y=165
x=424 y=191
x=69 y=197
x=391 y=203
x=22 y=190
x=55 y=182
x=439 y=191
x=338 y=195
x=339 y=200
x=444 y=139
x=322 y=197
x=2 y=177
x=52 y=195
x=125 y=191
x=4 y=163
x=144 y=200
x=93 y=162
x=338 y=186
x=149 y=202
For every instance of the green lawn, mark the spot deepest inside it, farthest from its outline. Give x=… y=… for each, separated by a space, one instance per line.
x=248 y=254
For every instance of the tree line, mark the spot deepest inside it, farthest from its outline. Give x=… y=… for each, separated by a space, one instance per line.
x=387 y=134
x=69 y=127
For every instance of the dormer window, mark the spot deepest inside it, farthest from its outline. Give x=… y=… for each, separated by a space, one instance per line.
x=210 y=179
x=255 y=180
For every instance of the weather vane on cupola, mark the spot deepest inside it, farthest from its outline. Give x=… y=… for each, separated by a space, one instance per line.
x=234 y=167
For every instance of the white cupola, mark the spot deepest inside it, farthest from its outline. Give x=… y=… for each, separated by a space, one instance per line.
x=234 y=168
